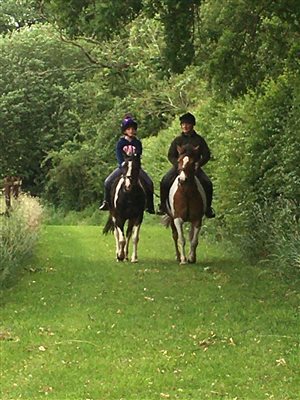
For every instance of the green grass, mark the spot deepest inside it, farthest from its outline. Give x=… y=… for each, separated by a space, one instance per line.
x=80 y=326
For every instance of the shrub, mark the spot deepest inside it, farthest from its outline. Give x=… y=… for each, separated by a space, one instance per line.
x=284 y=236
x=271 y=234
x=18 y=234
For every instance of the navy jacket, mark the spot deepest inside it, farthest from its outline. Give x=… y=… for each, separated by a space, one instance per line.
x=129 y=147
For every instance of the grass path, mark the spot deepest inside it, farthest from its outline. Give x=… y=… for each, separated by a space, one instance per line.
x=80 y=326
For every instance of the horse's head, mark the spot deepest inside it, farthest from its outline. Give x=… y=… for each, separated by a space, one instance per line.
x=131 y=169
x=187 y=160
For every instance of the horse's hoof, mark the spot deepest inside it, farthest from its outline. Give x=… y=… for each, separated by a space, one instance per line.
x=192 y=261
x=119 y=259
x=135 y=260
x=183 y=262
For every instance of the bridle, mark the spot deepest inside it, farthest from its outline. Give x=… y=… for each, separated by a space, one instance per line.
x=186 y=162
x=129 y=174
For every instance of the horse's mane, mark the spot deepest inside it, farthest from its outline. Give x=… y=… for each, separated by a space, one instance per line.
x=187 y=150
x=133 y=157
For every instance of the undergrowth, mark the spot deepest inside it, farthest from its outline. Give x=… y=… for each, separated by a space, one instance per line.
x=19 y=231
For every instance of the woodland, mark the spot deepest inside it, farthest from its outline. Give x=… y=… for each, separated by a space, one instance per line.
x=70 y=70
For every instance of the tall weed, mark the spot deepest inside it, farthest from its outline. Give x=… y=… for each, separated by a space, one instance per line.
x=18 y=234
x=273 y=235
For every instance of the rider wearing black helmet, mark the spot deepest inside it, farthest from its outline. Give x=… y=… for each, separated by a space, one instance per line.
x=187 y=136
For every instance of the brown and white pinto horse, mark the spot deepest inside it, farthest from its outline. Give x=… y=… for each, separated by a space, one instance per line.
x=187 y=203
x=128 y=203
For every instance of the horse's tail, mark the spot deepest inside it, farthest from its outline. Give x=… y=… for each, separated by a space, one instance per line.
x=166 y=220
x=109 y=226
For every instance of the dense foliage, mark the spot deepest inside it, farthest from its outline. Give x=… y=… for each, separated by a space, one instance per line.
x=234 y=64
x=36 y=101
x=16 y=14
x=240 y=44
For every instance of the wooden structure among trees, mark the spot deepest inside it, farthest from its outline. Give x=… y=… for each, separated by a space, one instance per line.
x=11 y=187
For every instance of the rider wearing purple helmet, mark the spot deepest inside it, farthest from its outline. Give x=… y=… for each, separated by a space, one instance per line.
x=128 y=144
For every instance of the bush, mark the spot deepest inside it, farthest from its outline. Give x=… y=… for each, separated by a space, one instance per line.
x=18 y=235
x=59 y=216
x=284 y=235
x=272 y=234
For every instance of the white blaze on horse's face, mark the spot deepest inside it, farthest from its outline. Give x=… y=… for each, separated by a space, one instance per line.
x=182 y=174
x=128 y=176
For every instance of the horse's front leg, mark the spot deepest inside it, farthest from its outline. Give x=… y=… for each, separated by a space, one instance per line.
x=194 y=234
x=175 y=239
x=128 y=236
x=120 y=243
x=135 y=240
x=178 y=222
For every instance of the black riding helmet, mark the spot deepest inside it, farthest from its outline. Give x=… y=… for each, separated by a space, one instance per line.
x=188 y=118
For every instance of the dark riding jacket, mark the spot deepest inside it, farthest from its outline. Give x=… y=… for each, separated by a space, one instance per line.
x=193 y=139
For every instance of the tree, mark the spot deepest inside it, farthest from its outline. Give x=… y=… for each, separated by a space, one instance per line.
x=103 y=19
x=97 y=19
x=37 y=72
x=242 y=43
x=15 y=14
x=180 y=20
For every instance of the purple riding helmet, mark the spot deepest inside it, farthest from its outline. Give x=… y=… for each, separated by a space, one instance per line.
x=127 y=123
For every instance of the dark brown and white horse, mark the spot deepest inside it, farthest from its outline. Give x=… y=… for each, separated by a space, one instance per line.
x=187 y=203
x=128 y=203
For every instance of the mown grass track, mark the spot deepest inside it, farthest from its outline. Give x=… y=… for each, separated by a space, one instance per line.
x=78 y=325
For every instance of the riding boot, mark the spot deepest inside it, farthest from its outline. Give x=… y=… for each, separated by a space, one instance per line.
x=149 y=203
x=105 y=206
x=210 y=213
x=162 y=207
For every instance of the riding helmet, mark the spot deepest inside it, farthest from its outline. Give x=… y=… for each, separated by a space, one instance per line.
x=188 y=118
x=128 y=122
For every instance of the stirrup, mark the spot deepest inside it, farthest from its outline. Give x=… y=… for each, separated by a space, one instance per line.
x=104 y=206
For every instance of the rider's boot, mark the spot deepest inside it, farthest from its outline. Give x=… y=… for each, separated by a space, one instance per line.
x=149 y=203
x=104 y=206
x=210 y=213
x=162 y=208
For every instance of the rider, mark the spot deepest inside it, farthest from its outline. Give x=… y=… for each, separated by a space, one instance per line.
x=188 y=136
x=128 y=144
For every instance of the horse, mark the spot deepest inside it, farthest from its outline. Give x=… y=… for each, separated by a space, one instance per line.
x=128 y=202
x=187 y=203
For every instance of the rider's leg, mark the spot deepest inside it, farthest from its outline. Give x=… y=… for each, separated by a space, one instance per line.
x=165 y=186
x=106 y=204
x=149 y=190
x=208 y=187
